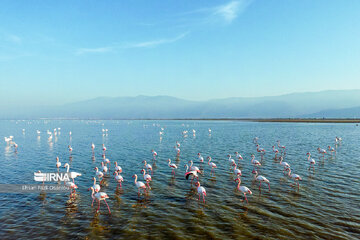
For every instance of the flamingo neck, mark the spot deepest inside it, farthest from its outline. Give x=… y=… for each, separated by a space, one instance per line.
x=135 y=179
x=94 y=181
x=67 y=166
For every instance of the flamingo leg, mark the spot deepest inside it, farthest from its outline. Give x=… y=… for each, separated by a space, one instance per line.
x=203 y=198
x=269 y=186
x=98 y=206
x=92 y=203
x=199 y=196
x=260 y=186
x=107 y=206
x=246 y=198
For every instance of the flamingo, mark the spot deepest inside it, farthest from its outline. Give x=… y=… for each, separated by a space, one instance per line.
x=104 y=148
x=96 y=186
x=38 y=132
x=296 y=178
x=201 y=191
x=255 y=162
x=237 y=172
x=99 y=174
x=322 y=151
x=172 y=165
x=154 y=154
x=311 y=160
x=260 y=150
x=73 y=175
x=331 y=150
x=283 y=148
x=231 y=161
x=211 y=164
x=104 y=168
x=148 y=166
x=70 y=149
x=92 y=146
x=58 y=164
x=118 y=168
x=238 y=156
x=201 y=159
x=284 y=164
x=243 y=189
x=193 y=168
x=255 y=140
x=106 y=161
x=147 y=178
x=72 y=187
x=118 y=178
x=261 y=179
x=194 y=173
x=275 y=151
x=177 y=144
x=100 y=196
x=209 y=130
x=139 y=184
x=177 y=150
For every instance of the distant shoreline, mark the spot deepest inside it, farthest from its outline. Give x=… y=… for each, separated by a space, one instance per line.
x=287 y=120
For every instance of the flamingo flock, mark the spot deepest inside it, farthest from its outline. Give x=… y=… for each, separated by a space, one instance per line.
x=192 y=172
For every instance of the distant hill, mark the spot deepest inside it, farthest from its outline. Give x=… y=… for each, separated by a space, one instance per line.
x=336 y=113
x=344 y=103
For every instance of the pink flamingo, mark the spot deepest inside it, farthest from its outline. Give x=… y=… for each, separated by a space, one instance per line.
x=148 y=166
x=296 y=178
x=154 y=154
x=193 y=168
x=331 y=150
x=261 y=179
x=139 y=184
x=201 y=191
x=283 y=148
x=238 y=156
x=256 y=163
x=100 y=196
x=237 y=172
x=172 y=166
x=118 y=178
x=201 y=159
x=72 y=187
x=284 y=164
x=212 y=165
x=243 y=189
x=322 y=151
x=96 y=187
x=147 y=178
x=231 y=161
x=99 y=174
x=275 y=151
x=58 y=164
x=177 y=150
x=104 y=148
x=194 y=174
x=92 y=147
x=118 y=168
x=311 y=161
x=260 y=150
x=70 y=149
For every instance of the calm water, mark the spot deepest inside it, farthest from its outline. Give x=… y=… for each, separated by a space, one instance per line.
x=326 y=207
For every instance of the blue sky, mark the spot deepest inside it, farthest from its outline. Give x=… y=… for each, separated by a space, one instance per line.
x=54 y=52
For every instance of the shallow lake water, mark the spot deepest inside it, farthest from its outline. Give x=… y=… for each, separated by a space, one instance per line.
x=327 y=205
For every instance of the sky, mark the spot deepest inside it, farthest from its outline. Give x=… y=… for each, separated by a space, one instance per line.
x=56 y=52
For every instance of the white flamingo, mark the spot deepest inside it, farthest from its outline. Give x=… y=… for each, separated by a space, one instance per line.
x=261 y=179
x=201 y=191
x=139 y=184
x=243 y=189
x=172 y=166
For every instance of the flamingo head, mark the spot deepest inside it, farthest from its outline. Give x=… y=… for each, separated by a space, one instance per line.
x=228 y=155
x=96 y=168
x=254 y=171
x=318 y=148
x=308 y=153
x=250 y=192
x=197 y=184
x=134 y=175
x=66 y=165
x=142 y=170
x=252 y=155
x=208 y=158
x=169 y=160
x=198 y=154
x=237 y=179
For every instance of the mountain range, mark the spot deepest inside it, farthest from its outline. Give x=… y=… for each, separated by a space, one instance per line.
x=327 y=104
